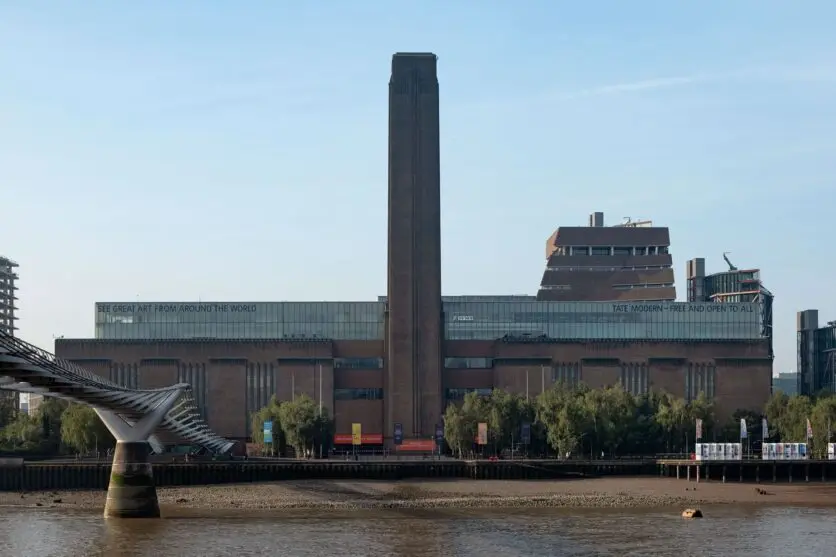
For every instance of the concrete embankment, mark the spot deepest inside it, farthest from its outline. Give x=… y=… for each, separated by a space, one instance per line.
x=35 y=476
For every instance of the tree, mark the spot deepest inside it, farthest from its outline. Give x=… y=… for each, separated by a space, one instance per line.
x=561 y=412
x=456 y=431
x=82 y=430
x=49 y=415
x=269 y=413
x=302 y=424
x=775 y=410
x=823 y=417
x=793 y=423
x=22 y=434
x=7 y=409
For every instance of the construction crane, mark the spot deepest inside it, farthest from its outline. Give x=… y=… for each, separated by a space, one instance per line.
x=729 y=263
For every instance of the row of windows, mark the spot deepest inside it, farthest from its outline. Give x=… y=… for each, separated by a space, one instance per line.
x=639 y=331
x=358 y=363
x=125 y=375
x=358 y=394
x=568 y=374
x=260 y=387
x=345 y=331
x=635 y=378
x=459 y=394
x=618 y=327
x=468 y=363
x=464 y=320
x=237 y=312
x=611 y=250
x=699 y=378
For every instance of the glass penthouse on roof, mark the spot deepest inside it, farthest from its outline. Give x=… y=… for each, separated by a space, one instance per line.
x=465 y=318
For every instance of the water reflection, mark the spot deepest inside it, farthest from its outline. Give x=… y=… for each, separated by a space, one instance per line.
x=725 y=531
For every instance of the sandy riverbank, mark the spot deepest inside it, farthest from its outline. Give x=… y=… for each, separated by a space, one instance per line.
x=450 y=494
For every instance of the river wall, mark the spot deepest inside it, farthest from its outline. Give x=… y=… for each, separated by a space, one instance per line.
x=38 y=476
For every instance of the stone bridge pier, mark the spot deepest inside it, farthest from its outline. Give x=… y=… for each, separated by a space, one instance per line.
x=131 y=492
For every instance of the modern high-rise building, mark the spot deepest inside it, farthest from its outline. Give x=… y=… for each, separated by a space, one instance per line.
x=629 y=262
x=414 y=333
x=8 y=318
x=734 y=285
x=816 y=354
x=8 y=287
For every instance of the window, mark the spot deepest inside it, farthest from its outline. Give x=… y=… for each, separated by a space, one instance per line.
x=358 y=394
x=623 y=250
x=459 y=394
x=358 y=363
x=699 y=379
x=598 y=250
x=462 y=363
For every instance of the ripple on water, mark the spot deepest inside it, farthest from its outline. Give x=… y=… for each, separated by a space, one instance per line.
x=725 y=531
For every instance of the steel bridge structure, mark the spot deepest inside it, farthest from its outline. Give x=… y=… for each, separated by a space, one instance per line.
x=131 y=415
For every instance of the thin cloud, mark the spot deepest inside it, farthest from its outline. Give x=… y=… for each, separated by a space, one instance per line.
x=785 y=75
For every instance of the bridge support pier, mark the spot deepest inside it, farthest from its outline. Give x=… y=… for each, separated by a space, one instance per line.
x=131 y=492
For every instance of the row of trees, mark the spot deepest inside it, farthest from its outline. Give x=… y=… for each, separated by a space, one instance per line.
x=55 y=428
x=561 y=420
x=590 y=421
x=787 y=418
x=299 y=423
x=571 y=420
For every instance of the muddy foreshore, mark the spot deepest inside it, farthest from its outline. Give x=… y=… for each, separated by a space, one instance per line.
x=452 y=494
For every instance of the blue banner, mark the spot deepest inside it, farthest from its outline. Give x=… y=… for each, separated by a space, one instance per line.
x=398 y=434
x=525 y=433
x=268 y=432
x=439 y=434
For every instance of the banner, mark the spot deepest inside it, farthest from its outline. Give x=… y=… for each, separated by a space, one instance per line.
x=744 y=432
x=365 y=439
x=398 y=434
x=356 y=434
x=268 y=432
x=765 y=428
x=482 y=435
x=417 y=445
x=809 y=429
x=439 y=434
x=699 y=428
x=525 y=434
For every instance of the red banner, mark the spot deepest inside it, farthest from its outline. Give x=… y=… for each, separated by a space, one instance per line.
x=365 y=439
x=417 y=445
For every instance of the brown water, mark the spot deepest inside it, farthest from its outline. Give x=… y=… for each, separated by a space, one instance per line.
x=724 y=532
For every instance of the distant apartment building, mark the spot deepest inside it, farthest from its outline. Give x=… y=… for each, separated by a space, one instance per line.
x=628 y=262
x=816 y=353
x=8 y=287
x=786 y=383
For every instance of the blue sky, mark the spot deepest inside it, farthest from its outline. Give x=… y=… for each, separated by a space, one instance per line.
x=237 y=150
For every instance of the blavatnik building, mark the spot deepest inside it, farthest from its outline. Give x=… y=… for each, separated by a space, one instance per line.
x=604 y=313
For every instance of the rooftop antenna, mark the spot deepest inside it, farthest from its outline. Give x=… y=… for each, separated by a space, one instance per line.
x=729 y=263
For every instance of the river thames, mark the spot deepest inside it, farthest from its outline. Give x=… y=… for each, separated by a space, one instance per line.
x=726 y=531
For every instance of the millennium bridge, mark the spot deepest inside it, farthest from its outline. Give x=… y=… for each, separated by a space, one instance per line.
x=131 y=415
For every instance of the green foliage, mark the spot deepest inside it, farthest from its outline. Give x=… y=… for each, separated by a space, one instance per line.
x=298 y=423
x=788 y=417
x=580 y=420
x=24 y=433
x=7 y=409
x=83 y=431
x=269 y=413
